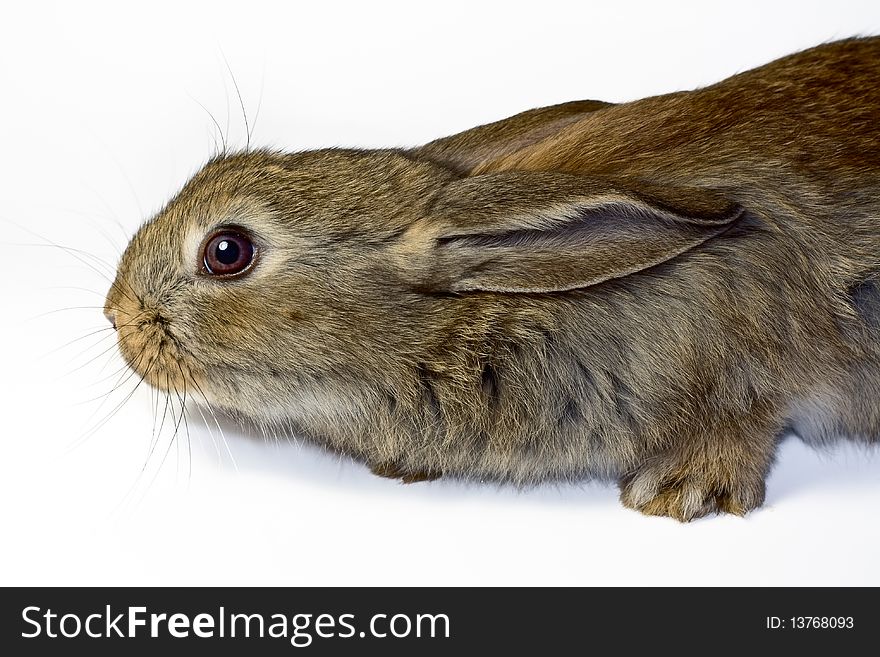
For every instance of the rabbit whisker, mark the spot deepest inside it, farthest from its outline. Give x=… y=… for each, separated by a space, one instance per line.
x=240 y=102
x=217 y=422
x=116 y=409
x=216 y=125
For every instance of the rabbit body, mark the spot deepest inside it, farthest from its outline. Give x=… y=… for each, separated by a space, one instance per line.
x=652 y=292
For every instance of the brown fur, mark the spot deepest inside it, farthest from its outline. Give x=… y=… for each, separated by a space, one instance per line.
x=652 y=291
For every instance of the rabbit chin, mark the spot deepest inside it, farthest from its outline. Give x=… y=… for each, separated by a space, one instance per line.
x=317 y=408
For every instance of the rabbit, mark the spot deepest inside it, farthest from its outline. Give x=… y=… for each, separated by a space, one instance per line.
x=651 y=293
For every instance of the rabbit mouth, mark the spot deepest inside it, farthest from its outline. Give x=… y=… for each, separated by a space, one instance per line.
x=148 y=344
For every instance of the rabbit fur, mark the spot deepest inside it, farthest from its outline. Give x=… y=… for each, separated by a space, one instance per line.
x=652 y=292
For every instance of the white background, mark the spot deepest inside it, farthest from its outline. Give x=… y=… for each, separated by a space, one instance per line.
x=101 y=123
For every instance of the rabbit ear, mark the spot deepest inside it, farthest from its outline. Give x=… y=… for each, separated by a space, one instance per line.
x=465 y=150
x=545 y=232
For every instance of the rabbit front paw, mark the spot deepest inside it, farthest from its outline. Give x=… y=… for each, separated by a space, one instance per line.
x=690 y=490
x=391 y=470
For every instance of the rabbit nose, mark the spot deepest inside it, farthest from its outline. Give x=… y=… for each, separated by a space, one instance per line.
x=111 y=317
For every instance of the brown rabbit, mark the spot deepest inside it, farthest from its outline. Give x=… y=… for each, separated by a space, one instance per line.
x=653 y=292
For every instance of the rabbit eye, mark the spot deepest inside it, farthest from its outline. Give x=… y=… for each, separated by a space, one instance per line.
x=228 y=253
